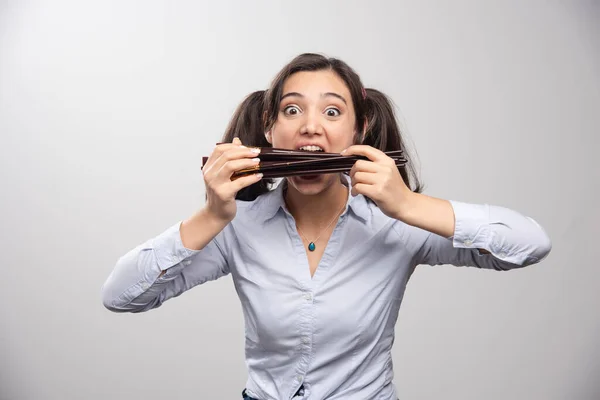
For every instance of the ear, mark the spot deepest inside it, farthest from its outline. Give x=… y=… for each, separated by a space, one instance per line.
x=268 y=137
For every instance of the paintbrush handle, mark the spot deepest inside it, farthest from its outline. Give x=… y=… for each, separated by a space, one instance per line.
x=312 y=164
x=274 y=154
x=291 y=172
x=276 y=151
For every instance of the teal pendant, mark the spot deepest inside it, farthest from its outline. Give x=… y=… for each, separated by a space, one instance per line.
x=311 y=246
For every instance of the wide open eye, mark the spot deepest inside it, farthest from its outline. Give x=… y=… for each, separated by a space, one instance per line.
x=291 y=110
x=332 y=112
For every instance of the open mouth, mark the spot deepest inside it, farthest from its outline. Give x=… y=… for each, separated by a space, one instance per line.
x=313 y=148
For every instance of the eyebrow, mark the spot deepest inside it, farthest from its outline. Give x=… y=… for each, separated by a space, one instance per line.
x=332 y=94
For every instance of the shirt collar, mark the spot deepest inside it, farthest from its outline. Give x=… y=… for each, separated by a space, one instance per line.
x=272 y=202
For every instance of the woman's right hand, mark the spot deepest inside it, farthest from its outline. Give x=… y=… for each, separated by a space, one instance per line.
x=217 y=171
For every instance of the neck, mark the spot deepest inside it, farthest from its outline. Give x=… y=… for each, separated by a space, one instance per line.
x=316 y=211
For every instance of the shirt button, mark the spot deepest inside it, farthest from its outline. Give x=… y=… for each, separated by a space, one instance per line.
x=299 y=378
x=308 y=296
x=187 y=262
x=145 y=285
x=468 y=242
x=305 y=340
x=502 y=255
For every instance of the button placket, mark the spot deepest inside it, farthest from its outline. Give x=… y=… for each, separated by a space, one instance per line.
x=305 y=335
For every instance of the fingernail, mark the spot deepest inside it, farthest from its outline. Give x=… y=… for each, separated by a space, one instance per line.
x=259 y=175
x=343 y=151
x=255 y=150
x=256 y=159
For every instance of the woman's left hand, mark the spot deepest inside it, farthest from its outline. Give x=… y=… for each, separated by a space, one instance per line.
x=379 y=179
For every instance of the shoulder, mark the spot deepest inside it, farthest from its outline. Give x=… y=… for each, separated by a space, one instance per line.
x=259 y=209
x=249 y=215
x=259 y=203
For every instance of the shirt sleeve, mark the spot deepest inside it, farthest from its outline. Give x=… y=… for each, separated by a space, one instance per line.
x=512 y=239
x=134 y=284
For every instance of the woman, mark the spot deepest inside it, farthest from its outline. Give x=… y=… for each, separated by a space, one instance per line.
x=320 y=263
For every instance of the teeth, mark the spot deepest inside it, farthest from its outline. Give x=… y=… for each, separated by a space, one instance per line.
x=311 y=148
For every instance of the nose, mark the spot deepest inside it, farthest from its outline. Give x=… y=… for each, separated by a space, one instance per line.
x=312 y=124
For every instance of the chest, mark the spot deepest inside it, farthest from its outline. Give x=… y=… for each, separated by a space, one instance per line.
x=276 y=265
x=347 y=287
x=314 y=252
x=351 y=296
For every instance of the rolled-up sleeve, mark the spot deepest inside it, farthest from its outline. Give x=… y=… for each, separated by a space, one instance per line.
x=136 y=284
x=512 y=240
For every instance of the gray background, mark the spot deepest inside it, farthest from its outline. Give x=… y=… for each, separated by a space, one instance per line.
x=107 y=107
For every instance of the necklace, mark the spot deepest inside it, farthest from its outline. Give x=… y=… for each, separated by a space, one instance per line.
x=311 y=244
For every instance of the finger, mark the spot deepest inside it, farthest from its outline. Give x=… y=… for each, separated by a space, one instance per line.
x=368 y=178
x=216 y=153
x=234 y=153
x=236 y=165
x=370 y=152
x=244 y=181
x=219 y=150
x=361 y=188
x=236 y=140
x=364 y=165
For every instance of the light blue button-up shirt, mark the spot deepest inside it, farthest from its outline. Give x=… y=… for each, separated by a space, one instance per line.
x=333 y=332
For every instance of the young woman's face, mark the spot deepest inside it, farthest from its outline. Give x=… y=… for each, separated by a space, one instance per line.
x=315 y=112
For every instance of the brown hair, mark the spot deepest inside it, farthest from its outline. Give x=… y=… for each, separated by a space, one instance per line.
x=258 y=112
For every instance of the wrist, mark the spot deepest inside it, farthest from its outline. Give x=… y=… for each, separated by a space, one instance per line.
x=406 y=206
x=200 y=229
x=428 y=213
x=212 y=219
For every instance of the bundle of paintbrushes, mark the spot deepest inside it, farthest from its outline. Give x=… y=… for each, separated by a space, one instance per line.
x=278 y=163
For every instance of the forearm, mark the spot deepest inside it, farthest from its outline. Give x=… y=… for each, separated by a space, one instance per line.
x=198 y=230
x=163 y=267
x=513 y=239
x=428 y=213
x=137 y=272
